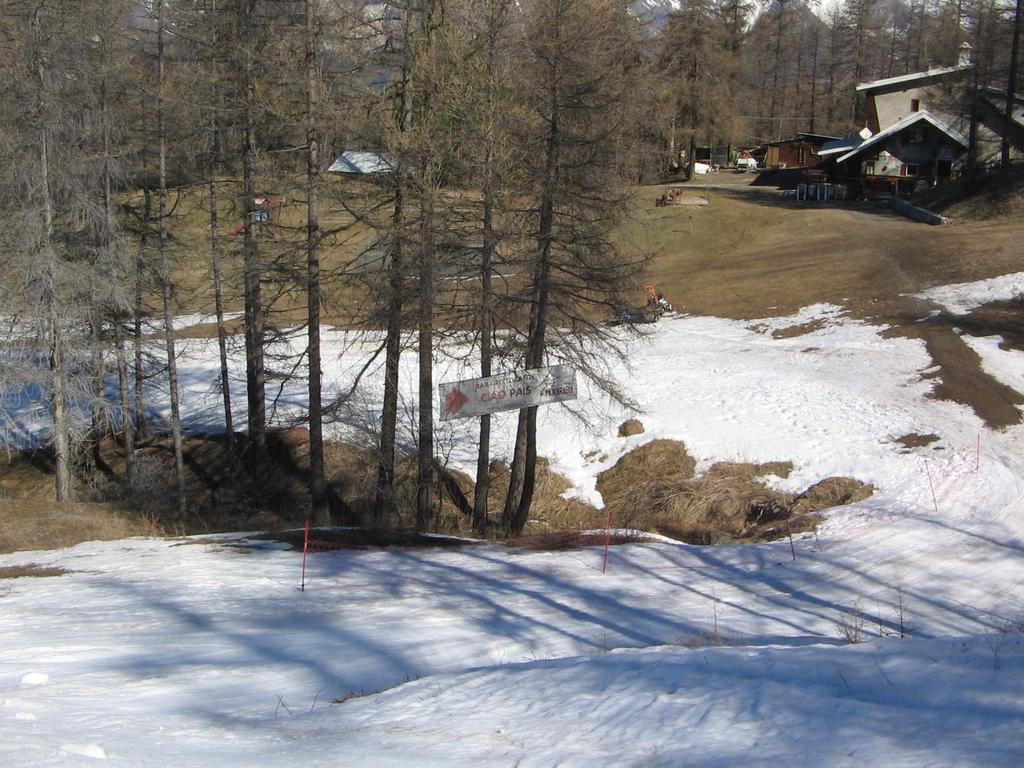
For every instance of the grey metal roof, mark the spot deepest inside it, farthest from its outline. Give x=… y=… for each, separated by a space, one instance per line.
x=902 y=79
x=363 y=162
x=840 y=145
x=895 y=128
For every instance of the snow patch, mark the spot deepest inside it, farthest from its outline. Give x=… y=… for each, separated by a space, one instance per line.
x=33 y=679
x=1004 y=365
x=962 y=298
x=94 y=751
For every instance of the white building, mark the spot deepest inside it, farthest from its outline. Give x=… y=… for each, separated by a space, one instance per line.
x=916 y=133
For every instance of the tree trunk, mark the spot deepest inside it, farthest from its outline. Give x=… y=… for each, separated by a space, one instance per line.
x=909 y=38
x=798 y=85
x=165 y=272
x=691 y=158
x=517 y=472
x=58 y=396
x=526 y=437
x=61 y=424
x=215 y=256
x=486 y=323
x=385 y=492
x=858 y=59
x=320 y=511
x=425 y=437
x=127 y=431
x=116 y=311
x=777 y=66
x=972 y=142
x=101 y=273
x=255 y=374
x=137 y=311
x=814 y=79
x=535 y=360
x=98 y=369
x=892 y=49
x=384 y=497
x=218 y=300
x=1011 y=88
x=496 y=23
x=833 y=64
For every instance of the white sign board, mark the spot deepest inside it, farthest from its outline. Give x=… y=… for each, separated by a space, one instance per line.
x=507 y=392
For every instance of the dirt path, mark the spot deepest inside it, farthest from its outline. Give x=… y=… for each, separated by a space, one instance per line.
x=753 y=253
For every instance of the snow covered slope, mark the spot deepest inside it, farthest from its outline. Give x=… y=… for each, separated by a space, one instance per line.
x=205 y=653
x=165 y=653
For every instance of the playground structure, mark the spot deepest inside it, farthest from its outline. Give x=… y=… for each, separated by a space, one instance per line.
x=684 y=195
x=266 y=211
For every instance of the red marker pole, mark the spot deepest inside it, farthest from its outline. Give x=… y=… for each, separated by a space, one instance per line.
x=607 y=540
x=931 y=485
x=305 y=550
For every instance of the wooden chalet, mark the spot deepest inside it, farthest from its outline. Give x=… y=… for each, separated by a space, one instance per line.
x=913 y=136
x=918 y=149
x=914 y=133
x=800 y=151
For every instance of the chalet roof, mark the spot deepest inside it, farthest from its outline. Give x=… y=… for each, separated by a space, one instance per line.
x=895 y=128
x=362 y=162
x=912 y=77
x=810 y=137
x=817 y=136
x=840 y=146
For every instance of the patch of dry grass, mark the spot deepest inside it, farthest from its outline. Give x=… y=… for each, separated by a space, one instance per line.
x=994 y=195
x=802 y=329
x=30 y=524
x=916 y=440
x=28 y=474
x=30 y=570
x=550 y=512
x=653 y=488
x=832 y=492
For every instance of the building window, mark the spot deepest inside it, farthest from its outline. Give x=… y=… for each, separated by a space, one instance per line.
x=915 y=136
x=915 y=105
x=869 y=168
x=908 y=170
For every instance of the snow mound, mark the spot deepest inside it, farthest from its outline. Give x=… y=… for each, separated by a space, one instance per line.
x=94 y=751
x=906 y=703
x=961 y=298
x=32 y=679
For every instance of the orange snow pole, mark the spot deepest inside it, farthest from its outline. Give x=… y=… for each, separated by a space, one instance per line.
x=607 y=540
x=932 y=486
x=305 y=551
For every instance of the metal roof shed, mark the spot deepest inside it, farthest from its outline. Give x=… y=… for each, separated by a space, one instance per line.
x=364 y=163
